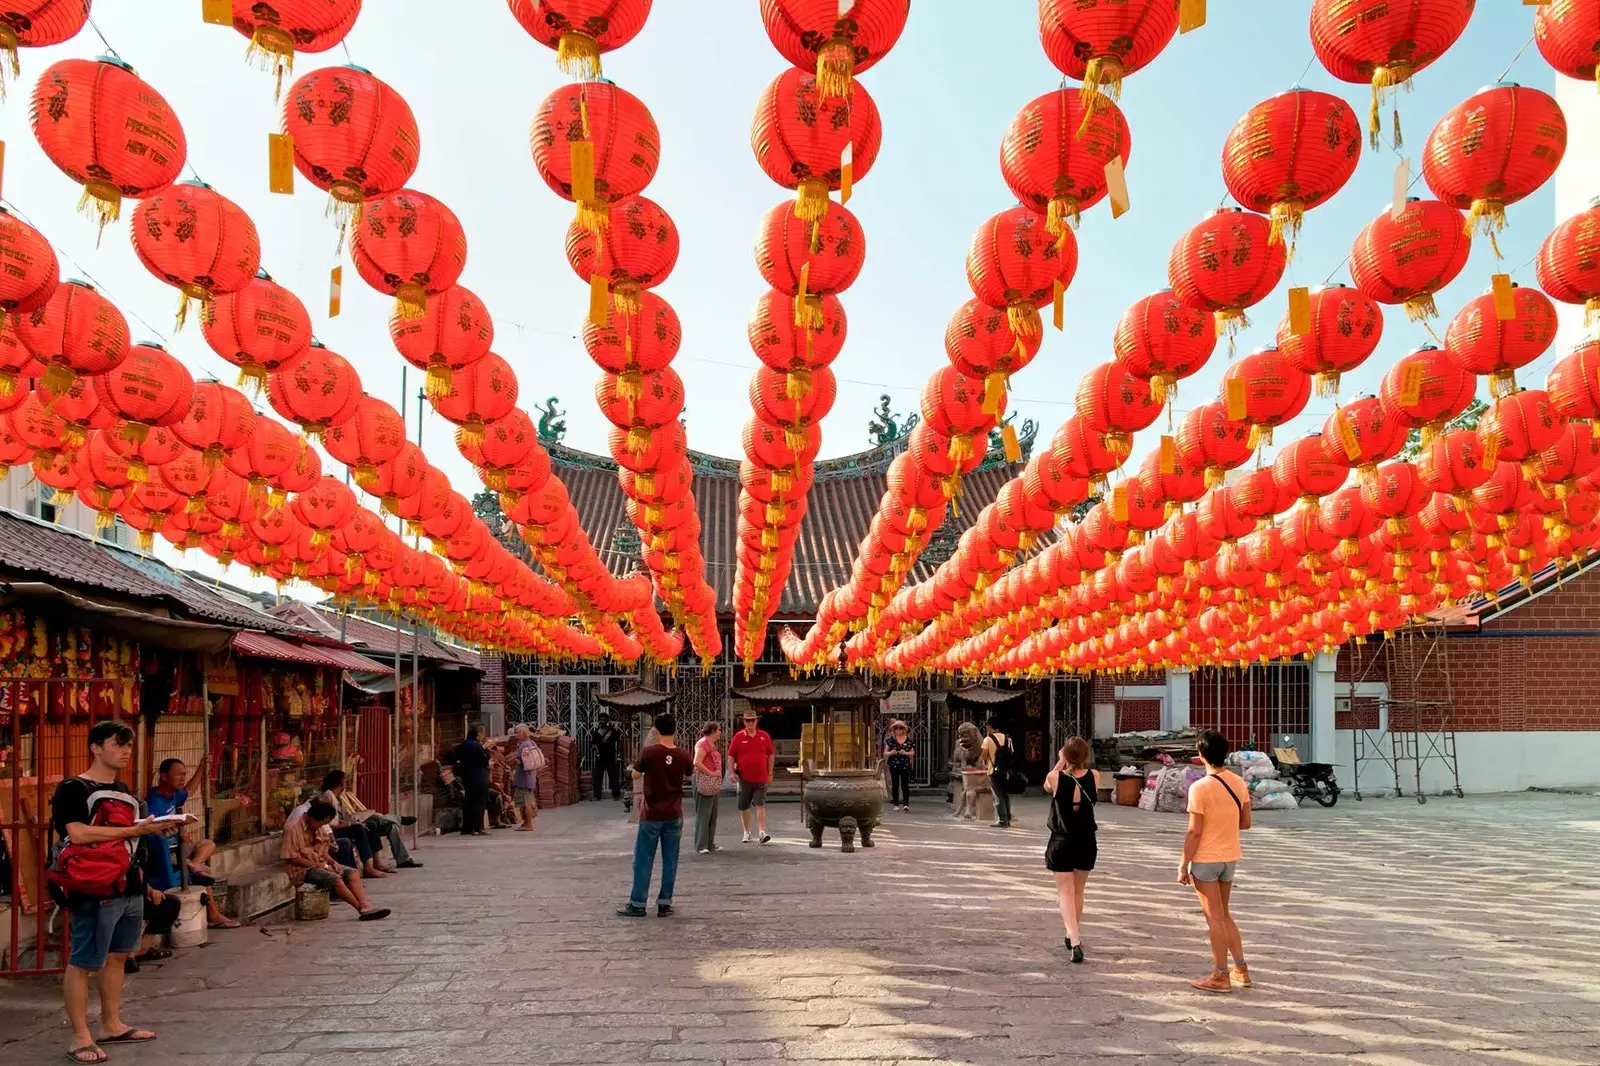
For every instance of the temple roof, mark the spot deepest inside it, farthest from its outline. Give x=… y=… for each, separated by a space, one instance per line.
x=984 y=694
x=806 y=690
x=634 y=698
x=842 y=502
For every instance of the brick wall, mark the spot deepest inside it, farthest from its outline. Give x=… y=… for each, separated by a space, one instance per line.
x=1573 y=606
x=1137 y=715
x=492 y=689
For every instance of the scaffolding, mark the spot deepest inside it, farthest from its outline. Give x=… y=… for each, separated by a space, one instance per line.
x=1413 y=730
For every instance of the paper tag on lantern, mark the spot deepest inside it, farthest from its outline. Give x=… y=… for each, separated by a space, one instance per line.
x=1491 y=450
x=217 y=12
x=1299 y=311
x=1008 y=438
x=846 y=172
x=845 y=6
x=280 y=163
x=1402 y=185
x=1169 y=455
x=580 y=158
x=1117 y=186
x=1347 y=435
x=335 y=289
x=1411 y=385
x=1191 y=15
x=805 y=281
x=1505 y=299
x=599 y=299
x=1237 y=399
x=1119 y=503
x=1058 y=305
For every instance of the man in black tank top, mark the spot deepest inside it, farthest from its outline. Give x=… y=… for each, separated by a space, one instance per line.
x=999 y=753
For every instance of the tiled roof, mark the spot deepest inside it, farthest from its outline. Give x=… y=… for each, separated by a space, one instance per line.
x=985 y=694
x=261 y=646
x=634 y=697
x=37 y=549
x=372 y=638
x=842 y=503
x=833 y=687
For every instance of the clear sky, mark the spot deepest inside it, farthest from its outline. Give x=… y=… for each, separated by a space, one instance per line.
x=946 y=93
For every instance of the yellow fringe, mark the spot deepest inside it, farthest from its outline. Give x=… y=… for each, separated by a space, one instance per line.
x=1421 y=308
x=808 y=313
x=411 y=300
x=437 y=384
x=1326 y=384
x=1058 y=212
x=271 y=50
x=102 y=202
x=1285 y=220
x=797 y=384
x=1024 y=320
x=836 y=65
x=811 y=199
x=626 y=298
x=578 y=55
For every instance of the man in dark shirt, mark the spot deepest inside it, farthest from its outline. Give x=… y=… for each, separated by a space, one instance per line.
x=664 y=767
x=472 y=766
x=606 y=740
x=103 y=931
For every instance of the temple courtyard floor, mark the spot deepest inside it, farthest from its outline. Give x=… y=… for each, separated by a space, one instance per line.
x=1382 y=932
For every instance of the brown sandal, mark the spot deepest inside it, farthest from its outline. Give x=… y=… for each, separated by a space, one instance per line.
x=87 y=1055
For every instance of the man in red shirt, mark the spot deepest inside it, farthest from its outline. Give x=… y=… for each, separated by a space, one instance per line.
x=752 y=755
x=664 y=767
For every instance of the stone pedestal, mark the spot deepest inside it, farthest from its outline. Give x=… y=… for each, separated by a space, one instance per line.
x=974 y=802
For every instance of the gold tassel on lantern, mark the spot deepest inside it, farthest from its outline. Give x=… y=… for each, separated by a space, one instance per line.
x=1326 y=384
x=578 y=55
x=272 y=51
x=797 y=384
x=811 y=199
x=1385 y=78
x=1060 y=211
x=1023 y=318
x=437 y=384
x=1259 y=435
x=102 y=202
x=410 y=300
x=994 y=393
x=960 y=450
x=1163 y=387
x=1285 y=223
x=1488 y=217
x=639 y=440
x=836 y=65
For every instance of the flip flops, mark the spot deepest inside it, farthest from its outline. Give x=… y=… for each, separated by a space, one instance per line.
x=87 y=1055
x=129 y=1036
x=376 y=915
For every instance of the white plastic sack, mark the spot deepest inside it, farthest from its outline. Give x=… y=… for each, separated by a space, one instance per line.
x=1266 y=787
x=1273 y=801
x=1172 y=790
x=1243 y=760
x=1260 y=772
x=1147 y=799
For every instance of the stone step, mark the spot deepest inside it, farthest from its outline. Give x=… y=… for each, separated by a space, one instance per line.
x=252 y=893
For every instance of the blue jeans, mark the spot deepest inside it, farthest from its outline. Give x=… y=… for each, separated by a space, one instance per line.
x=668 y=835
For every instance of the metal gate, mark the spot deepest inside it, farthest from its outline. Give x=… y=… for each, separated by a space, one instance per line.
x=1262 y=705
x=569 y=703
x=1067 y=718
x=44 y=732
x=374 y=743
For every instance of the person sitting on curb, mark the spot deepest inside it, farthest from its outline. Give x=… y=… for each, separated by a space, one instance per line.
x=306 y=843
x=380 y=827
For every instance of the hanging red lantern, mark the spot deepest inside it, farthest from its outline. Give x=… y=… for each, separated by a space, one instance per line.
x=1384 y=43
x=979 y=343
x=1305 y=469
x=409 y=245
x=1225 y=264
x=1406 y=259
x=1568 y=35
x=38 y=24
x=354 y=136
x=1012 y=262
x=804 y=141
x=374 y=433
x=271 y=450
x=279 y=29
x=261 y=328
x=645 y=340
x=1396 y=493
x=77 y=331
x=453 y=332
x=659 y=400
x=797 y=350
x=1520 y=426
x=149 y=388
x=1055 y=152
x=581 y=30
x=1455 y=464
x=32 y=273
x=1568 y=266
x=405 y=476
x=196 y=240
x=1345 y=328
x=1494 y=148
x=303 y=471
x=637 y=251
x=954 y=406
x=1264 y=390
x=108 y=131
x=835 y=41
x=625 y=147
x=1117 y=404
x=156 y=446
x=480 y=394
x=1161 y=338
x=102 y=477
x=318 y=391
x=325 y=507
x=1290 y=153
x=1103 y=41
x=219 y=420
x=1574 y=383
x=770 y=399
x=810 y=259
x=1481 y=342
x=1425 y=389
x=1208 y=438
x=1363 y=433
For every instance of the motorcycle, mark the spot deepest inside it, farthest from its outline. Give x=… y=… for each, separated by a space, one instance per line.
x=1309 y=780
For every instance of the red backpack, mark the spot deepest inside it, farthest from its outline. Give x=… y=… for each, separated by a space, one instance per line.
x=97 y=871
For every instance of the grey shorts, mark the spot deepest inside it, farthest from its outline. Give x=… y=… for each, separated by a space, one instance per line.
x=1212 y=871
x=327 y=879
x=525 y=797
x=751 y=795
x=98 y=928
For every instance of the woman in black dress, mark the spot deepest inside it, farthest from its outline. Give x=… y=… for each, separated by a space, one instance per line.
x=1070 y=854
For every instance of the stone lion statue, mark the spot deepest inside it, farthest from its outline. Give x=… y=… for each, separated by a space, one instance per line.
x=968 y=755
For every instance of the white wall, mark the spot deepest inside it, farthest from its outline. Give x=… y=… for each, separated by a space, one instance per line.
x=1489 y=762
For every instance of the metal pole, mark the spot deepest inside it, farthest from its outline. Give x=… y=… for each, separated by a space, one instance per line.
x=416 y=695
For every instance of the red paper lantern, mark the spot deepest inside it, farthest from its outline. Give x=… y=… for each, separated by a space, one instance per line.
x=1225 y=264
x=1264 y=390
x=38 y=24
x=262 y=328
x=647 y=339
x=407 y=475
x=1208 y=438
x=1406 y=260
x=219 y=420
x=1482 y=343
x=1103 y=41
x=1520 y=426
x=1574 y=383
x=1346 y=327
x=817 y=258
x=637 y=251
x=31 y=273
x=453 y=332
x=409 y=245
x=374 y=433
x=626 y=146
x=326 y=506
x=77 y=331
x=1161 y=338
x=770 y=399
x=1492 y=149
x=1290 y=153
x=1012 y=262
x=834 y=41
x=1116 y=403
x=149 y=388
x=269 y=453
x=659 y=399
x=581 y=30
x=1569 y=262
x=108 y=131
x=1455 y=463
x=279 y=29
x=196 y=240
x=480 y=394
x=797 y=350
x=802 y=140
x=354 y=136
x=1568 y=35
x=1383 y=42
x=1306 y=469
x=1363 y=433
x=1425 y=389
x=156 y=446
x=979 y=343
x=319 y=391
x=1055 y=152
x=303 y=471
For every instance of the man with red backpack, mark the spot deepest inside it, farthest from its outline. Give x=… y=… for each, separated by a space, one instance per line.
x=97 y=878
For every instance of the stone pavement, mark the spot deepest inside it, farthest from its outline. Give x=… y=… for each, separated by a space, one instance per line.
x=1383 y=932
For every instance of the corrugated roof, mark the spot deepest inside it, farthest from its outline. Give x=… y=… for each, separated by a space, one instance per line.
x=261 y=646
x=842 y=503
x=373 y=638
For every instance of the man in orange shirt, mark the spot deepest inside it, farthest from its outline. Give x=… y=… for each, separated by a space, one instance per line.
x=1219 y=807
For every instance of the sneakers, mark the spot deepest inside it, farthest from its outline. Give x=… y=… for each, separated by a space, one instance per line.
x=715 y=847
x=1216 y=981
x=705 y=851
x=747 y=838
x=1239 y=975
x=663 y=910
x=765 y=838
x=632 y=910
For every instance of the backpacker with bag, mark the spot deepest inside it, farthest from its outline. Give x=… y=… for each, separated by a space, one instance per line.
x=533 y=760
x=1005 y=755
x=97 y=871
